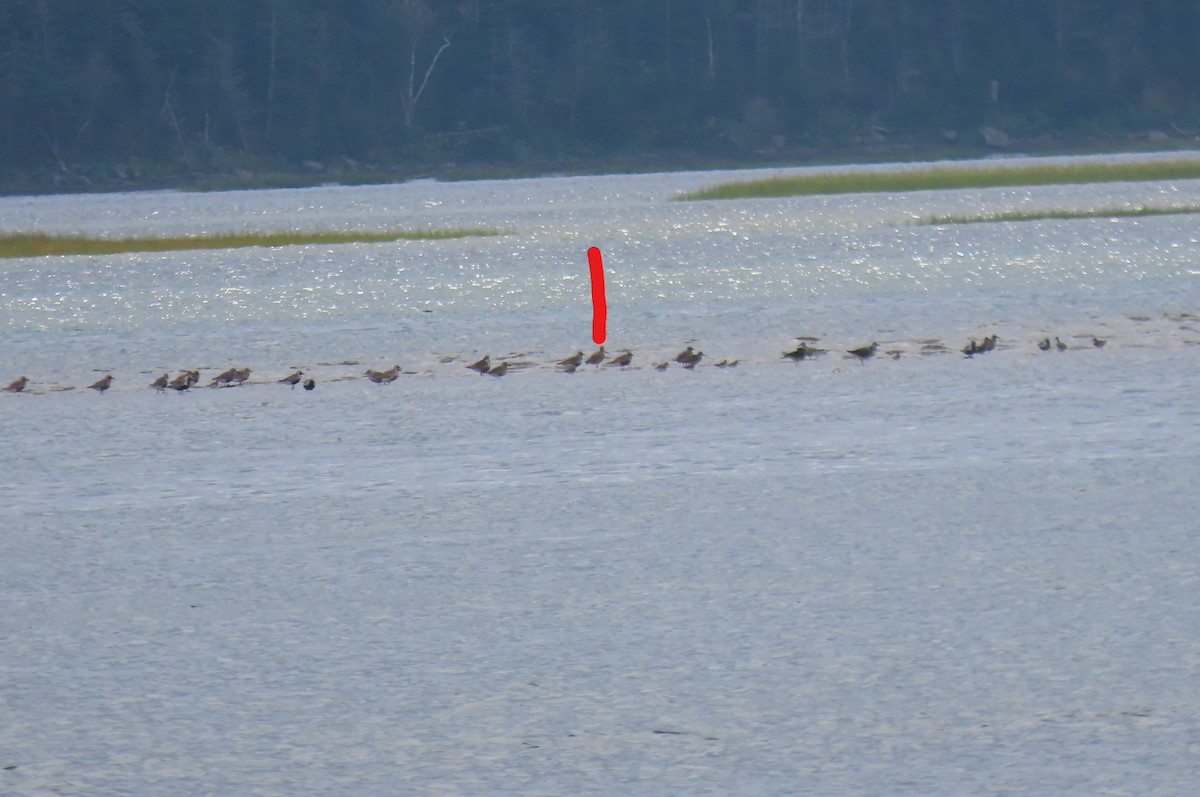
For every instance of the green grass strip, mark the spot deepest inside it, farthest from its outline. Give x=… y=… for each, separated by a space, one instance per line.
x=1033 y=215
x=942 y=178
x=39 y=244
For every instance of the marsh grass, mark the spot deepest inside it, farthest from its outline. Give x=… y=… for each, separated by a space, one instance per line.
x=942 y=178
x=38 y=244
x=1033 y=215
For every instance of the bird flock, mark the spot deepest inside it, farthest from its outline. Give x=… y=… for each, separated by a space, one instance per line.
x=688 y=358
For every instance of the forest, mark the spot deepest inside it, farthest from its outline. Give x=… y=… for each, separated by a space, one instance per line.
x=110 y=92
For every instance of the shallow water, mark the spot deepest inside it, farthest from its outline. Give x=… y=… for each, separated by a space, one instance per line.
x=931 y=575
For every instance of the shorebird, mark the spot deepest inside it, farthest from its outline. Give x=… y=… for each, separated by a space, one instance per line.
x=498 y=370
x=17 y=385
x=568 y=369
x=989 y=343
x=309 y=384
x=596 y=357
x=186 y=378
x=292 y=379
x=726 y=363
x=1044 y=344
x=1098 y=342
x=184 y=381
x=864 y=353
x=102 y=384
x=160 y=384
x=481 y=366
x=895 y=353
x=1058 y=344
x=662 y=366
x=799 y=353
x=225 y=378
x=693 y=361
x=685 y=355
x=972 y=348
x=384 y=377
x=574 y=361
x=622 y=360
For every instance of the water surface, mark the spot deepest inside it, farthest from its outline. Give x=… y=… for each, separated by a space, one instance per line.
x=932 y=575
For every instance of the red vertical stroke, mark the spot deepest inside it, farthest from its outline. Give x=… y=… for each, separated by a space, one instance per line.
x=599 y=303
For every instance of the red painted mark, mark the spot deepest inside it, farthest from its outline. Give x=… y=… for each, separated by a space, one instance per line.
x=599 y=304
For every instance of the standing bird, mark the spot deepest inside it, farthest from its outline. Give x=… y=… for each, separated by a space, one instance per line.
x=622 y=360
x=691 y=362
x=160 y=384
x=1098 y=342
x=483 y=365
x=17 y=385
x=309 y=383
x=797 y=354
x=972 y=348
x=292 y=379
x=102 y=384
x=182 y=382
x=596 y=357
x=384 y=377
x=685 y=355
x=572 y=362
x=989 y=343
x=662 y=366
x=1044 y=344
x=224 y=378
x=864 y=353
x=498 y=370
x=1058 y=344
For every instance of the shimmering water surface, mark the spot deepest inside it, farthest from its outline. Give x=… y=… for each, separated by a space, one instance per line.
x=932 y=575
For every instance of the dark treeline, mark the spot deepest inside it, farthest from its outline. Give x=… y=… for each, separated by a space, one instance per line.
x=195 y=88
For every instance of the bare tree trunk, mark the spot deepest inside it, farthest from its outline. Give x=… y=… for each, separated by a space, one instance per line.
x=410 y=96
x=800 y=33
x=712 y=61
x=233 y=90
x=168 y=111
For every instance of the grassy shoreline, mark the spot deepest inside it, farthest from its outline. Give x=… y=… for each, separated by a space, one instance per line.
x=1051 y=213
x=40 y=244
x=949 y=177
x=249 y=173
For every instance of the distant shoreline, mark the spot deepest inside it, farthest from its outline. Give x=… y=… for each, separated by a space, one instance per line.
x=250 y=175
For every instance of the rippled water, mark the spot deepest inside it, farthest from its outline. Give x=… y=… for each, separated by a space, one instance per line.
x=931 y=575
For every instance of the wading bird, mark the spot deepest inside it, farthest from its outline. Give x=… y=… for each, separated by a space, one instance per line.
x=864 y=353
x=292 y=379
